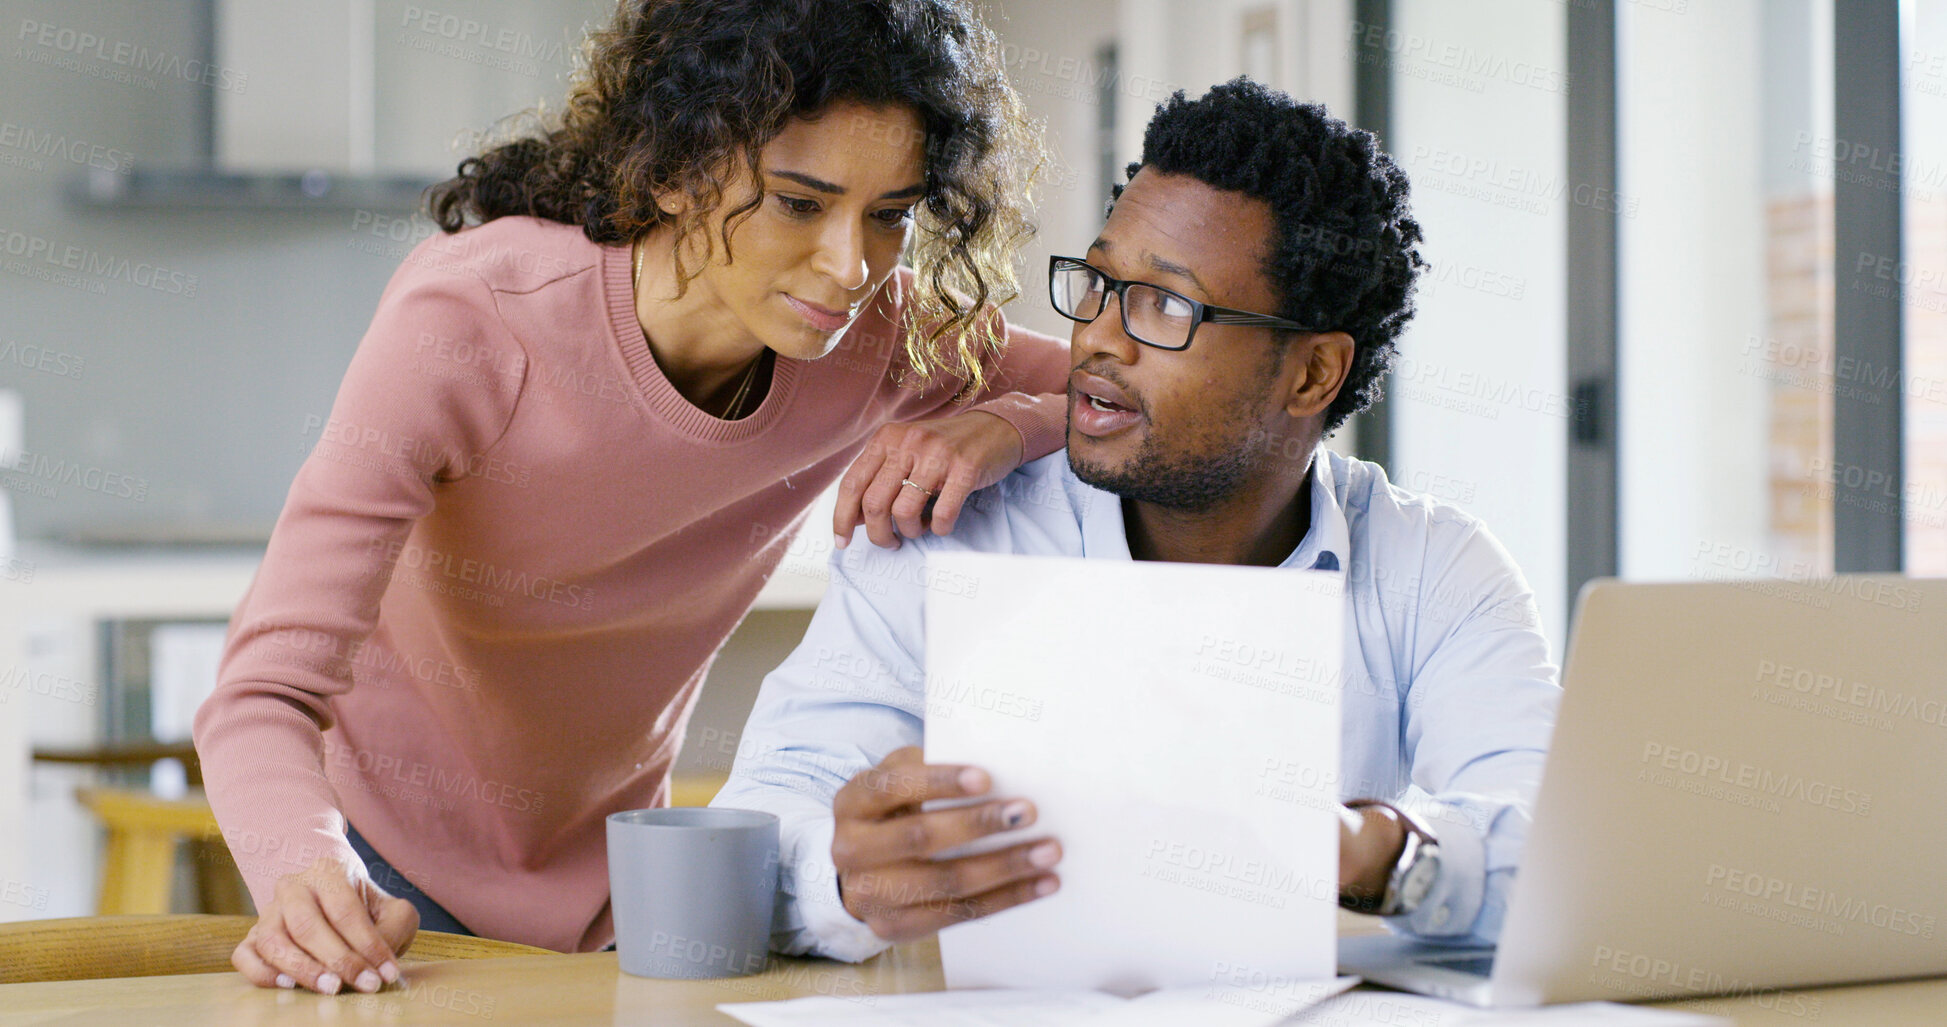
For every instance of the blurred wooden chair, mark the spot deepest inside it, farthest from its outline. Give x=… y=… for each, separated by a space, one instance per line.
x=138 y=865
x=144 y=832
x=695 y=789
x=94 y=947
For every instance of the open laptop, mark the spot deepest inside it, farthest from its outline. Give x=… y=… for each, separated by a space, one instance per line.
x=1744 y=793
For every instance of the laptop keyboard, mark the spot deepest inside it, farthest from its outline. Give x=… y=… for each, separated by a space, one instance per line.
x=1479 y=966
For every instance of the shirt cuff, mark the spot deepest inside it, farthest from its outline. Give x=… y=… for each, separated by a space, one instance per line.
x=836 y=933
x=1041 y=420
x=1451 y=907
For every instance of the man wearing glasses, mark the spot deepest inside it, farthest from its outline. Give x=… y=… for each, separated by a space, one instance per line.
x=1193 y=435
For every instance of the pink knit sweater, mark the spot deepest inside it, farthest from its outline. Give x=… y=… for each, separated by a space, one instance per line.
x=500 y=575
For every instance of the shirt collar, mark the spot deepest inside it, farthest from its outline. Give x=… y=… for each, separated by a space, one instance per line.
x=1325 y=547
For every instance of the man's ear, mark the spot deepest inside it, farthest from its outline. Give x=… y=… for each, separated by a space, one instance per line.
x=1325 y=360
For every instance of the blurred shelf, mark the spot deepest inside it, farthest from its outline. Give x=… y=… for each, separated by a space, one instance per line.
x=126 y=754
x=173 y=536
x=137 y=579
x=200 y=189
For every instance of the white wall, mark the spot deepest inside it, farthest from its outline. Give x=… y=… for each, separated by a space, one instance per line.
x=1052 y=57
x=1479 y=394
x=58 y=700
x=387 y=85
x=520 y=55
x=1693 y=447
x=13 y=812
x=1924 y=111
x=1194 y=44
x=48 y=697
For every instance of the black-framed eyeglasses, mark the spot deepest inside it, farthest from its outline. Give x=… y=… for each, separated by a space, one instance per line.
x=1151 y=314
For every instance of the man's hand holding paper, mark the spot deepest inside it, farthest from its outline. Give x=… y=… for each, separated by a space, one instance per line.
x=896 y=871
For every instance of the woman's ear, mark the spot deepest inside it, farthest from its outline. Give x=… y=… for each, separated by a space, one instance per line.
x=673 y=201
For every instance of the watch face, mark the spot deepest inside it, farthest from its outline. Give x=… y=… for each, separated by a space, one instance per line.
x=1418 y=880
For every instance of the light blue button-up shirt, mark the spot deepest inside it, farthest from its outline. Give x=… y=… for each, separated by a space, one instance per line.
x=1449 y=693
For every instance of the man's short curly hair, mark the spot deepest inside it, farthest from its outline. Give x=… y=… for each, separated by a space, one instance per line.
x=1344 y=254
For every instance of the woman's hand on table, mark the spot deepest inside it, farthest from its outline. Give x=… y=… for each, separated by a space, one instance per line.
x=949 y=458
x=329 y=927
x=884 y=844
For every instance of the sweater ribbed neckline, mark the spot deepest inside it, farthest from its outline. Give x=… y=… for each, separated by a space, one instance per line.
x=661 y=396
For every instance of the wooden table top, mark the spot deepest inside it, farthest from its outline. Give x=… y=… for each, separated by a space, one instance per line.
x=551 y=989
x=589 y=989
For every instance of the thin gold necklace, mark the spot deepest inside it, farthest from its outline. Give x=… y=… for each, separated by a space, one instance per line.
x=734 y=410
x=731 y=412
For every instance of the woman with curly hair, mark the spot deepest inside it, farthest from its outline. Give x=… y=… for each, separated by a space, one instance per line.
x=577 y=438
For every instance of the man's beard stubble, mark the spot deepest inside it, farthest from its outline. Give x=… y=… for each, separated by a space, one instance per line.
x=1176 y=481
x=1186 y=481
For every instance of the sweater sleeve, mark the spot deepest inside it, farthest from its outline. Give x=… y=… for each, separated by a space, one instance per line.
x=406 y=421
x=1027 y=386
x=1029 y=390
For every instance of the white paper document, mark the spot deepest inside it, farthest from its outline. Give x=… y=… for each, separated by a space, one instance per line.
x=1223 y=1006
x=1392 y=1009
x=929 y=1009
x=1177 y=727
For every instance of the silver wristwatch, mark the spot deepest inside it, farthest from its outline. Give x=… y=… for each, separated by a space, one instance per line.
x=1412 y=875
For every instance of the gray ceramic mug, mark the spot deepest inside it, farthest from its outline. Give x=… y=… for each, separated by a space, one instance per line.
x=691 y=890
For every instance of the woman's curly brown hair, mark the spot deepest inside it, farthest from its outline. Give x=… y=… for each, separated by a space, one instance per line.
x=674 y=93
